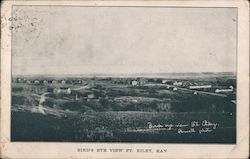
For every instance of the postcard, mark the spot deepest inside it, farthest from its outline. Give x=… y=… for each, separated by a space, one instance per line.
x=124 y=79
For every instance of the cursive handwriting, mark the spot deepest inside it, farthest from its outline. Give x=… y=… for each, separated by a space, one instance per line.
x=200 y=127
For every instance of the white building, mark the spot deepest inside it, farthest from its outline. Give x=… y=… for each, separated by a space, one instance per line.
x=164 y=81
x=54 y=82
x=200 y=87
x=231 y=87
x=176 y=83
x=20 y=80
x=63 y=82
x=62 y=90
x=91 y=96
x=134 y=83
x=36 y=82
x=223 y=90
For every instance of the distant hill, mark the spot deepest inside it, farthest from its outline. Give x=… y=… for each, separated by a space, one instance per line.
x=145 y=75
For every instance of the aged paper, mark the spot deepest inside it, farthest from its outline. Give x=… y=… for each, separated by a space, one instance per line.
x=124 y=79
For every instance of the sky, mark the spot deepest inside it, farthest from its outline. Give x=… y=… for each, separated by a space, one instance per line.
x=122 y=40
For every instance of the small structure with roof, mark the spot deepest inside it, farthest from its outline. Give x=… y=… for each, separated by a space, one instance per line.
x=200 y=87
x=36 y=81
x=223 y=90
x=63 y=82
x=91 y=96
x=176 y=83
x=45 y=82
x=164 y=81
x=54 y=82
x=175 y=88
x=62 y=90
x=134 y=83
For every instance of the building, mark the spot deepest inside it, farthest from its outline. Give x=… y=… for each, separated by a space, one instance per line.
x=20 y=80
x=134 y=83
x=45 y=82
x=223 y=90
x=65 y=90
x=79 y=81
x=231 y=87
x=91 y=96
x=63 y=82
x=175 y=88
x=200 y=87
x=176 y=83
x=54 y=82
x=164 y=81
x=36 y=82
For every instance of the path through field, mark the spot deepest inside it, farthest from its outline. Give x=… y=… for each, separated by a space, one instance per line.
x=41 y=101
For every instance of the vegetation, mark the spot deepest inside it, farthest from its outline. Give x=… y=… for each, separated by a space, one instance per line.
x=112 y=110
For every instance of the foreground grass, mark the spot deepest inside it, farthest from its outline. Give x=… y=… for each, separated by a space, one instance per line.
x=118 y=127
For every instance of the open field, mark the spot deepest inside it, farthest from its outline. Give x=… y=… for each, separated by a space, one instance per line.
x=122 y=110
x=119 y=127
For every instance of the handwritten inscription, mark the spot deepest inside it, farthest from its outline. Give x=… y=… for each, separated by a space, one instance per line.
x=200 y=127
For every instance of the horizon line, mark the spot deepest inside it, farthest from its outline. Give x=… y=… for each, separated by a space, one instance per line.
x=123 y=74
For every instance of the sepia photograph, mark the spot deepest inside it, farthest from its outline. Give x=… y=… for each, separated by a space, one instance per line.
x=123 y=74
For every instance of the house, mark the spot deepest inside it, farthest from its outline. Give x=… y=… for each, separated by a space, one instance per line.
x=79 y=81
x=175 y=88
x=36 y=82
x=164 y=81
x=20 y=80
x=62 y=90
x=63 y=82
x=176 y=83
x=200 y=87
x=45 y=82
x=91 y=96
x=223 y=90
x=28 y=82
x=54 y=82
x=134 y=83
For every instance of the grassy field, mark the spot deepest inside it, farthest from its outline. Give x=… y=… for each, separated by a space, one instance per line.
x=120 y=113
x=119 y=127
